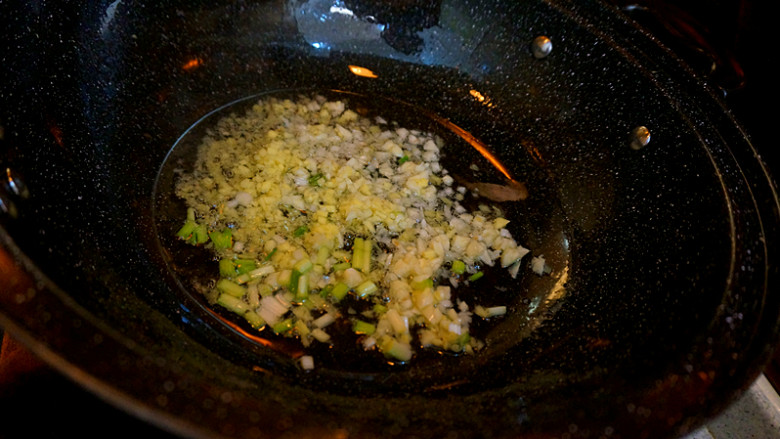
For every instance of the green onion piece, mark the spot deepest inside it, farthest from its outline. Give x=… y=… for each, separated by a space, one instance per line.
x=339 y=291
x=341 y=266
x=314 y=180
x=245 y=265
x=322 y=255
x=241 y=308
x=361 y=327
x=283 y=326
x=222 y=240
x=199 y=236
x=458 y=267
x=365 y=259
x=476 y=276
x=226 y=268
x=316 y=301
x=233 y=303
x=284 y=276
x=187 y=229
x=394 y=349
x=265 y=290
x=463 y=339
x=271 y=254
x=357 y=253
x=229 y=287
x=300 y=231
x=366 y=288
x=254 y=319
x=403 y=159
x=299 y=282
x=303 y=266
x=262 y=271
x=379 y=308
x=326 y=290
x=423 y=284
x=292 y=284
x=302 y=292
x=301 y=328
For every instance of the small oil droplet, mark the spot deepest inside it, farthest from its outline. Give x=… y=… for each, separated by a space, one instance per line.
x=541 y=47
x=640 y=137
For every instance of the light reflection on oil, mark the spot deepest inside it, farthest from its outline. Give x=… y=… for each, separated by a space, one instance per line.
x=476 y=143
x=192 y=64
x=484 y=100
x=539 y=304
x=362 y=71
x=254 y=336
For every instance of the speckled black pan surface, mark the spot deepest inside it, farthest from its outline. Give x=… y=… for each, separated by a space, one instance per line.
x=659 y=309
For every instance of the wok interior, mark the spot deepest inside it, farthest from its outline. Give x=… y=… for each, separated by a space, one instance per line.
x=642 y=242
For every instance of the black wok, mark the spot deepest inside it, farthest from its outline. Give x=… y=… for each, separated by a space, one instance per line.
x=660 y=308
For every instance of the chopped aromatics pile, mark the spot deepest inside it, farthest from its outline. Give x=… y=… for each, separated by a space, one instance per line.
x=305 y=202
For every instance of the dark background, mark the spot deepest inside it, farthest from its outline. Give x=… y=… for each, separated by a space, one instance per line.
x=728 y=43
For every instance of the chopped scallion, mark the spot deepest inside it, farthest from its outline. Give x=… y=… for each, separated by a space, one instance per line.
x=292 y=284
x=283 y=326
x=233 y=303
x=394 y=349
x=222 y=240
x=187 y=229
x=476 y=276
x=254 y=319
x=265 y=290
x=302 y=291
x=423 y=284
x=301 y=328
x=314 y=180
x=339 y=291
x=357 y=253
x=322 y=255
x=229 y=287
x=303 y=266
x=241 y=308
x=341 y=266
x=325 y=292
x=226 y=268
x=366 y=288
x=244 y=265
x=458 y=267
x=365 y=259
x=199 y=236
x=362 y=327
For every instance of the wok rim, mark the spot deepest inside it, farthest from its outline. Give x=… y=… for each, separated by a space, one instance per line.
x=162 y=418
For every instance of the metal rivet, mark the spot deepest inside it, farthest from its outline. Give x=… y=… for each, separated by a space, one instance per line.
x=640 y=137
x=541 y=47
